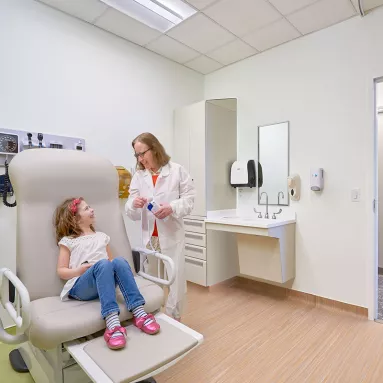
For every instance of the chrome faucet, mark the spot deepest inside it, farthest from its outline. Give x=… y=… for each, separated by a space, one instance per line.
x=267 y=204
x=283 y=196
x=255 y=211
x=278 y=212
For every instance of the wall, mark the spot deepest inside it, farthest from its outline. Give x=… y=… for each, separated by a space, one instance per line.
x=323 y=85
x=379 y=103
x=60 y=75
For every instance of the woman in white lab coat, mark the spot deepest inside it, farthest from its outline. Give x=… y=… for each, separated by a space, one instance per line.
x=170 y=186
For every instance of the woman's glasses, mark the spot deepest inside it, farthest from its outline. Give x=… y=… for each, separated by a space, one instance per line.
x=137 y=155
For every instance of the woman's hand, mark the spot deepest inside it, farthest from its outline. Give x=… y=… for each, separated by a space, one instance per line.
x=164 y=211
x=139 y=202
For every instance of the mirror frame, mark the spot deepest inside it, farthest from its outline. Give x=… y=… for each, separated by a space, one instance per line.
x=287 y=196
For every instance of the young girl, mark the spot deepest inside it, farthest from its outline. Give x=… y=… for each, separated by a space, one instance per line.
x=86 y=262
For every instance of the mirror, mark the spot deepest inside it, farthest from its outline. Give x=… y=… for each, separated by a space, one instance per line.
x=273 y=156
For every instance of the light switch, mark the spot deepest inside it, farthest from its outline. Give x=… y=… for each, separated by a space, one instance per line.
x=355 y=195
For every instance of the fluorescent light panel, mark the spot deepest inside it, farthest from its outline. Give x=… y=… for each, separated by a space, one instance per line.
x=158 y=14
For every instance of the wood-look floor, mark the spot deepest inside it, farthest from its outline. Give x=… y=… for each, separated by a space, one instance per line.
x=253 y=336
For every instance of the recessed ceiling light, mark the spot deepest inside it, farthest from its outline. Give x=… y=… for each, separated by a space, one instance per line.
x=158 y=14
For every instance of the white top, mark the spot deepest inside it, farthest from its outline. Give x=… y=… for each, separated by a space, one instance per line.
x=91 y=248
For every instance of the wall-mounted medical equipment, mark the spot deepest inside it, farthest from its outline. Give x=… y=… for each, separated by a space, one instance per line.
x=243 y=174
x=316 y=179
x=13 y=142
x=294 y=186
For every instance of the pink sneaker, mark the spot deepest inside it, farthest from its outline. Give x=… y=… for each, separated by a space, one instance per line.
x=151 y=328
x=116 y=342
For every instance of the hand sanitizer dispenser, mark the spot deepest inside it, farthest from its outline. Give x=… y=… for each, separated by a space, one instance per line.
x=316 y=179
x=243 y=174
x=294 y=186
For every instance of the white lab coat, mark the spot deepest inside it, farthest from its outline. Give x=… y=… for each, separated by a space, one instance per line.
x=175 y=187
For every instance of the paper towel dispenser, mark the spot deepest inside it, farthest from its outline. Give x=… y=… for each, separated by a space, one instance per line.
x=243 y=174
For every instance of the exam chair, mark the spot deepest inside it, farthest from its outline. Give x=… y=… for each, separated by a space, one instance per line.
x=62 y=342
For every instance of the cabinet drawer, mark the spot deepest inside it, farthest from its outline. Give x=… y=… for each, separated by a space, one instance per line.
x=195 y=270
x=195 y=239
x=195 y=226
x=195 y=251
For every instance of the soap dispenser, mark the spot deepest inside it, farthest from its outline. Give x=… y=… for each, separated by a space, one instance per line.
x=294 y=186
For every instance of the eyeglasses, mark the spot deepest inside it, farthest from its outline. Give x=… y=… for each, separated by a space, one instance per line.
x=141 y=154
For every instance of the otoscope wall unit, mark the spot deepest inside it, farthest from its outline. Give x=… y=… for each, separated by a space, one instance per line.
x=16 y=141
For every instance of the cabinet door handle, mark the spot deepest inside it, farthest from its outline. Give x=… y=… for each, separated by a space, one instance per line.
x=196 y=250
x=191 y=223
x=194 y=262
x=193 y=236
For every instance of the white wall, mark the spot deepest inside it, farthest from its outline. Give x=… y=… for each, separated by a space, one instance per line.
x=63 y=76
x=323 y=85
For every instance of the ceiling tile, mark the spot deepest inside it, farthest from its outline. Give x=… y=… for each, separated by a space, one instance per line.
x=242 y=16
x=290 y=6
x=87 y=10
x=172 y=49
x=371 y=4
x=232 y=52
x=126 y=27
x=272 y=35
x=321 y=15
x=203 y=65
x=201 y=4
x=201 y=34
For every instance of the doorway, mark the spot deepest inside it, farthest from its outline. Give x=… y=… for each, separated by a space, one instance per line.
x=379 y=195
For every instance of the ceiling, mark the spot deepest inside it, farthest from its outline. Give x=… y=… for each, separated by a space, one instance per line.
x=222 y=32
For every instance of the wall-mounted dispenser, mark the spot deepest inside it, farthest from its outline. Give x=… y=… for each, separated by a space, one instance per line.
x=316 y=179
x=294 y=186
x=243 y=174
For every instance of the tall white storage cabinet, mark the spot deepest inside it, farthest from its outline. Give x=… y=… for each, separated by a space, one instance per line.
x=205 y=143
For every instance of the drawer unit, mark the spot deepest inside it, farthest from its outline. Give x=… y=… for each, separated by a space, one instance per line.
x=195 y=252
x=195 y=226
x=195 y=239
x=195 y=270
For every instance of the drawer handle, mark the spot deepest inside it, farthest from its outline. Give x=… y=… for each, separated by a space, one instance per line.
x=194 y=262
x=194 y=249
x=191 y=223
x=193 y=236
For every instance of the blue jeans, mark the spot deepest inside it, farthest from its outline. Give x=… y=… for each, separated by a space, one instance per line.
x=100 y=281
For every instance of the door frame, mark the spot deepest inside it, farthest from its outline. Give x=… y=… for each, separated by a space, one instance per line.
x=373 y=274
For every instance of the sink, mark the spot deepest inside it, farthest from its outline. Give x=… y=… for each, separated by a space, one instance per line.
x=243 y=218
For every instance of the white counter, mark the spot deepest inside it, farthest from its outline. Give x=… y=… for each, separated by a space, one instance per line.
x=271 y=258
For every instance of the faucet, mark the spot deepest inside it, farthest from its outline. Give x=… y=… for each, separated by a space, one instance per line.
x=278 y=212
x=267 y=204
x=255 y=211
x=283 y=196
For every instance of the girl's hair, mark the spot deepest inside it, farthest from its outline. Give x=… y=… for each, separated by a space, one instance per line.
x=66 y=219
x=159 y=153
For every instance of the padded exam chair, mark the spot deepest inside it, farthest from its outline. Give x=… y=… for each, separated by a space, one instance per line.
x=62 y=342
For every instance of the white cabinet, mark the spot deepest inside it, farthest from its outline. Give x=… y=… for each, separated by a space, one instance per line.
x=205 y=143
x=189 y=149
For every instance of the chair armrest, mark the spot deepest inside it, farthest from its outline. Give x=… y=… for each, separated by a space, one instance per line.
x=20 y=314
x=170 y=269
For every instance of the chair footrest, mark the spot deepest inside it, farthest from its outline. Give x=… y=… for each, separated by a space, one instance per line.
x=146 y=354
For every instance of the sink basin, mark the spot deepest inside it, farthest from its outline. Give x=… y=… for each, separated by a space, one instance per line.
x=255 y=222
x=243 y=218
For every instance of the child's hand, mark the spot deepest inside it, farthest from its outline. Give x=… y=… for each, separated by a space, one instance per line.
x=84 y=267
